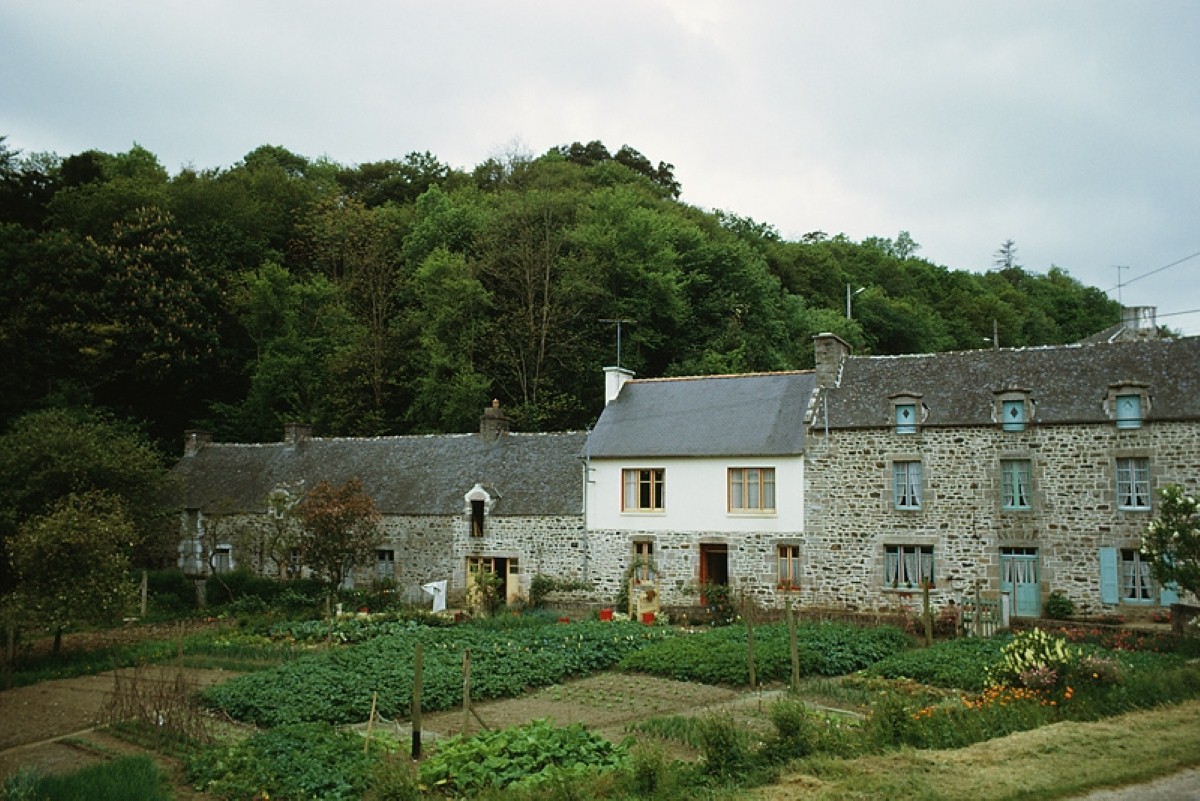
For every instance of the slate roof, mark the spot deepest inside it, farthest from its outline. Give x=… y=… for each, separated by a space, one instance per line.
x=527 y=474
x=758 y=414
x=1067 y=383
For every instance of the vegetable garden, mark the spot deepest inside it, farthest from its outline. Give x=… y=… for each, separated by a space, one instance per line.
x=864 y=691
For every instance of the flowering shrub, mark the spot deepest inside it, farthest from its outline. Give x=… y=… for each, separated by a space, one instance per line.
x=1040 y=678
x=1036 y=654
x=1096 y=669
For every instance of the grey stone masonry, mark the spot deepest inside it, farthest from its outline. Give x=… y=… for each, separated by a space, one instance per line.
x=1073 y=508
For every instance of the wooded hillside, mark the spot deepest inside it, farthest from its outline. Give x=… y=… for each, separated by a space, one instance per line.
x=401 y=296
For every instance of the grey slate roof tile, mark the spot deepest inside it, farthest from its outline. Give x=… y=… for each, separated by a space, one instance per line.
x=1067 y=383
x=735 y=415
x=528 y=474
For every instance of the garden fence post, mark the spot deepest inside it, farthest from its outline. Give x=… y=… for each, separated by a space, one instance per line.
x=10 y=655
x=978 y=609
x=794 y=645
x=145 y=591
x=466 y=690
x=747 y=610
x=416 y=701
x=370 y=723
x=927 y=613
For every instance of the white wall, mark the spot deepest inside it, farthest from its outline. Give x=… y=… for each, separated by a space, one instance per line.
x=696 y=493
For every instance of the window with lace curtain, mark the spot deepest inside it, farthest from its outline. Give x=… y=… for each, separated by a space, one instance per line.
x=908 y=566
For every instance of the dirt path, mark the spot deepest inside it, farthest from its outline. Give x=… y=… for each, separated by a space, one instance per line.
x=49 y=726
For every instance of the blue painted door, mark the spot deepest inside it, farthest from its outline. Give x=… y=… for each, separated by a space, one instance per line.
x=1019 y=577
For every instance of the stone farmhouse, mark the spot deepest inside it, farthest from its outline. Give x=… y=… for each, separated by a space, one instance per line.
x=451 y=505
x=1026 y=470
x=1014 y=472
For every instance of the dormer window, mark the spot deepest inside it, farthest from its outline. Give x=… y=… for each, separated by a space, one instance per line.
x=1129 y=411
x=1127 y=404
x=1013 y=410
x=1013 y=415
x=907 y=413
x=478 y=505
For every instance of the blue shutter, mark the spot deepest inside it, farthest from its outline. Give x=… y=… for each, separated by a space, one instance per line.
x=1109 y=593
x=1169 y=594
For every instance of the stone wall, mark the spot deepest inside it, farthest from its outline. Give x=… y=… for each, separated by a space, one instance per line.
x=851 y=515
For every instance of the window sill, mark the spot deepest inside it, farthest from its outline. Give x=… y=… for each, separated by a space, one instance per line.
x=752 y=513
x=1135 y=509
x=643 y=512
x=908 y=590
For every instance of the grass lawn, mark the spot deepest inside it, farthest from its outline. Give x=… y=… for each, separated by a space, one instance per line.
x=1057 y=761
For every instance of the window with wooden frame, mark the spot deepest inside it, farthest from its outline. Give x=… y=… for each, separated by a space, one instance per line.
x=906 y=485
x=642 y=489
x=787 y=572
x=752 y=489
x=1133 y=483
x=1137 y=584
x=908 y=566
x=643 y=560
x=1016 y=484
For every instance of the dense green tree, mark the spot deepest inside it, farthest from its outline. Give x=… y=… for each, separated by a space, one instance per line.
x=71 y=564
x=51 y=454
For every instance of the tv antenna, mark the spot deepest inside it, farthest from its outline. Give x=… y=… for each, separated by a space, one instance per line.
x=619 y=322
x=1119 y=268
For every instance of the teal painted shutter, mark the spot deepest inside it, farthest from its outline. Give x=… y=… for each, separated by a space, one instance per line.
x=1108 y=576
x=1169 y=594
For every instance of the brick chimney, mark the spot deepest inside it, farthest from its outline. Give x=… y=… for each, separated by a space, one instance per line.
x=830 y=351
x=493 y=423
x=194 y=439
x=295 y=433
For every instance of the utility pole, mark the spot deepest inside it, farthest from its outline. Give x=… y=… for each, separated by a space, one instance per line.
x=850 y=295
x=619 y=322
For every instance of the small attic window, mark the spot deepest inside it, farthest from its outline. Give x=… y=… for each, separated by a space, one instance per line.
x=906 y=413
x=1129 y=411
x=1013 y=410
x=477 y=506
x=1013 y=415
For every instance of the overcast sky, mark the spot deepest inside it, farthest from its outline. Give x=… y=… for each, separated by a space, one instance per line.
x=1072 y=128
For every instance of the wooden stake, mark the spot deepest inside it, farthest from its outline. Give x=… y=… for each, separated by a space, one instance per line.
x=370 y=723
x=927 y=613
x=794 y=645
x=418 y=655
x=747 y=613
x=466 y=690
x=145 y=591
x=10 y=655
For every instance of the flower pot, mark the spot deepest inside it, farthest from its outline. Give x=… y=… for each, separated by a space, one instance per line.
x=648 y=618
x=606 y=614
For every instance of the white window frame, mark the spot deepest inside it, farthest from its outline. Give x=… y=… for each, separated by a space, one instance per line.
x=906 y=484
x=1137 y=583
x=1016 y=484
x=906 y=566
x=1133 y=483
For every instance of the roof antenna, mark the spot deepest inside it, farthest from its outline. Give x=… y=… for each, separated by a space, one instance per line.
x=618 y=322
x=1119 y=268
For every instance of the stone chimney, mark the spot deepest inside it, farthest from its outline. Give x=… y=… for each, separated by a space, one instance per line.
x=194 y=439
x=614 y=379
x=295 y=433
x=830 y=351
x=1140 y=322
x=494 y=423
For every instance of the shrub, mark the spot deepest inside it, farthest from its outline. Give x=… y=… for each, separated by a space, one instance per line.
x=1059 y=606
x=797 y=730
x=725 y=747
x=1034 y=654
